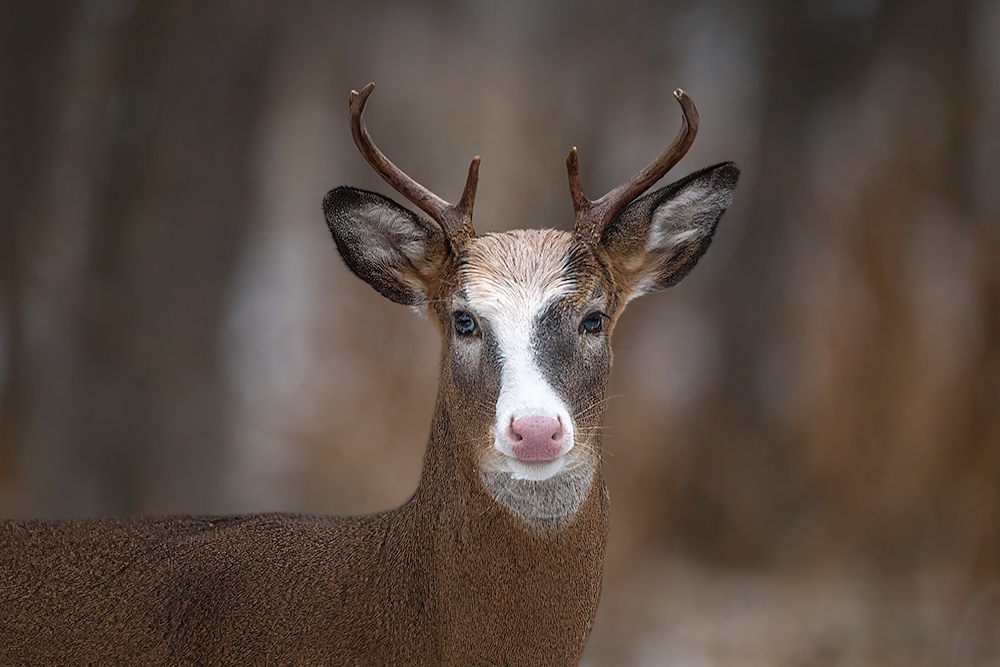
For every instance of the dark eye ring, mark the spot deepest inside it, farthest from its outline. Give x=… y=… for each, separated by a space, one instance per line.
x=593 y=323
x=465 y=325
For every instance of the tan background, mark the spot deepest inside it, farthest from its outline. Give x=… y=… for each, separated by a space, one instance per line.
x=804 y=455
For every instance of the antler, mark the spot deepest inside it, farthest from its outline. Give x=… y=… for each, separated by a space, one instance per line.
x=455 y=221
x=593 y=216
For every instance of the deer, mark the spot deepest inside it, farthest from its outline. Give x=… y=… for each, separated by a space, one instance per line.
x=497 y=558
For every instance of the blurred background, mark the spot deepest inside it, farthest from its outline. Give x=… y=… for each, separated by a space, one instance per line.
x=803 y=454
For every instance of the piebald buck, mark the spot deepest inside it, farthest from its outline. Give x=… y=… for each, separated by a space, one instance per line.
x=497 y=557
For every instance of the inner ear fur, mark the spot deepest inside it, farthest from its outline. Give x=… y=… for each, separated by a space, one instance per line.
x=389 y=247
x=658 y=239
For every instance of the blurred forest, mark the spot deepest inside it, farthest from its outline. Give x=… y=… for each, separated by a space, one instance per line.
x=804 y=458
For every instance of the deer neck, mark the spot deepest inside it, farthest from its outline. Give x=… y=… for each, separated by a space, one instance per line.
x=496 y=573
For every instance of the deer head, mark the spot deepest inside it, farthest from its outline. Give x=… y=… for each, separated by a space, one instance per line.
x=526 y=316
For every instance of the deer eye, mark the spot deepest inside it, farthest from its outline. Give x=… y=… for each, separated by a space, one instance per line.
x=593 y=323
x=465 y=325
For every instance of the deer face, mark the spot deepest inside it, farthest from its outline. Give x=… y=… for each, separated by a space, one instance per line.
x=533 y=307
x=526 y=318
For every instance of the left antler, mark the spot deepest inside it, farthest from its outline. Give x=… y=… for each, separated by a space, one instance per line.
x=593 y=216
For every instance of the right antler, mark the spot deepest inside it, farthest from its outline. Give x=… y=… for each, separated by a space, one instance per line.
x=592 y=216
x=455 y=221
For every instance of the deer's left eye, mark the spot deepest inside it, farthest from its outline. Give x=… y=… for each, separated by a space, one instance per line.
x=593 y=323
x=464 y=324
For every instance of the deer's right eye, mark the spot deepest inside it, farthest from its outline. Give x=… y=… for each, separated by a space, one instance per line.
x=593 y=323
x=465 y=325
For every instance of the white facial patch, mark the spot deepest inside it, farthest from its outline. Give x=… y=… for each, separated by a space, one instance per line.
x=509 y=281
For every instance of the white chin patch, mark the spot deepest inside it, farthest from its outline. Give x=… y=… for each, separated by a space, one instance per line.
x=535 y=471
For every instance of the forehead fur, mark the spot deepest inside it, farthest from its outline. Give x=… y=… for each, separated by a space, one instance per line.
x=526 y=265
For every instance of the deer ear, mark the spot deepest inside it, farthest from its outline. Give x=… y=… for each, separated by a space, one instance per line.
x=389 y=247
x=659 y=238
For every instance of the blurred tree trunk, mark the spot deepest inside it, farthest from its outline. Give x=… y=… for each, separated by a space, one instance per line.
x=743 y=481
x=114 y=322
x=32 y=49
x=870 y=457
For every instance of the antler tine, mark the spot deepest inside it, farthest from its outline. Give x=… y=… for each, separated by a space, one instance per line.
x=455 y=221
x=593 y=216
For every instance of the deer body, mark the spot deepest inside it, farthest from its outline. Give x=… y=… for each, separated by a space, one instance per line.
x=497 y=558
x=451 y=577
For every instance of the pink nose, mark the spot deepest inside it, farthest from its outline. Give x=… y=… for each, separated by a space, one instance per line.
x=535 y=438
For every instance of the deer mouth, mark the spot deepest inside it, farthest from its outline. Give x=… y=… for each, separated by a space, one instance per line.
x=535 y=470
